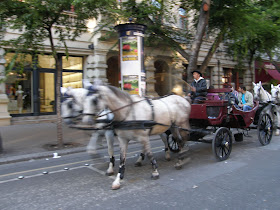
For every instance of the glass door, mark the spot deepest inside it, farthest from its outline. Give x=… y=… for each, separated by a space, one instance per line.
x=47 y=92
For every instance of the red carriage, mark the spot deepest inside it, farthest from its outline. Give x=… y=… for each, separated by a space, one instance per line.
x=217 y=115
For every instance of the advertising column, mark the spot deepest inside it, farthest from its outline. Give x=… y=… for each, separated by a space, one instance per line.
x=131 y=48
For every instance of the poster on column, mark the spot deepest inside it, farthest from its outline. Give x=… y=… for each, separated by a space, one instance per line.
x=131 y=84
x=129 y=48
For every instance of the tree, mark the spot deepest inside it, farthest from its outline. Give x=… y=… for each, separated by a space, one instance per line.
x=259 y=36
x=39 y=20
x=225 y=17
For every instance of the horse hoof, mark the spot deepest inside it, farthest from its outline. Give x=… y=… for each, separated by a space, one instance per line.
x=138 y=164
x=116 y=187
x=109 y=173
x=167 y=159
x=92 y=151
x=178 y=166
x=155 y=177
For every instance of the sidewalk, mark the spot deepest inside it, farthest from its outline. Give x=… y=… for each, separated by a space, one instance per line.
x=33 y=141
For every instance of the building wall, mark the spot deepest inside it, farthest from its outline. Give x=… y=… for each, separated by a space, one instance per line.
x=164 y=68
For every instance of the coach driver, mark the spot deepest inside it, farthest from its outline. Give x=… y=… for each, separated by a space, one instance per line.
x=198 y=88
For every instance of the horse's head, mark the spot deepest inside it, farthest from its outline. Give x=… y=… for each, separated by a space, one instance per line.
x=257 y=90
x=275 y=93
x=72 y=103
x=93 y=103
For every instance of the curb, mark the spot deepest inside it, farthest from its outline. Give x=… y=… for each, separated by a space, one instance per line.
x=21 y=158
x=48 y=154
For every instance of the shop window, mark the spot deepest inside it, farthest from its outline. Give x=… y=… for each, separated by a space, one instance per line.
x=227 y=78
x=47 y=92
x=19 y=92
x=46 y=61
x=72 y=63
x=20 y=60
x=73 y=80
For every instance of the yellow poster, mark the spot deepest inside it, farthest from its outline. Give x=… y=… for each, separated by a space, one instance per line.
x=131 y=84
x=129 y=48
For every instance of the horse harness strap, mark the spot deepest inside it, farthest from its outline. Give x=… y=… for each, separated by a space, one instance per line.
x=135 y=102
x=153 y=112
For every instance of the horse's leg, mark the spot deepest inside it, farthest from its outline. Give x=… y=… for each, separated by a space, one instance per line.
x=140 y=159
x=278 y=121
x=145 y=140
x=109 y=134
x=182 y=138
x=123 y=146
x=91 y=147
x=164 y=137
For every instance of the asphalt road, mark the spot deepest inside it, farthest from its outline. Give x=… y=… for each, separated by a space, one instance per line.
x=249 y=179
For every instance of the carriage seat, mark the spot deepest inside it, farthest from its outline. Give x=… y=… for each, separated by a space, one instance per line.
x=213 y=96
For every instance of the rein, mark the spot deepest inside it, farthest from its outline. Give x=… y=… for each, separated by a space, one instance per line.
x=135 y=102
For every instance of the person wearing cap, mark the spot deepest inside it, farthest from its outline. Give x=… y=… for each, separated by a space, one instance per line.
x=198 y=87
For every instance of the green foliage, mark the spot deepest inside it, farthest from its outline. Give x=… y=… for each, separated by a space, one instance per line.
x=258 y=33
x=38 y=21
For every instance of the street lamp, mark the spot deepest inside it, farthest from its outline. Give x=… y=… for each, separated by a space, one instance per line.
x=219 y=53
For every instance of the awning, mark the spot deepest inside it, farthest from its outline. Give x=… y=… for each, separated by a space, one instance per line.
x=274 y=74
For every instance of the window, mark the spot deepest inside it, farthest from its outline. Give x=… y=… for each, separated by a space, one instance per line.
x=183 y=21
x=46 y=62
x=72 y=72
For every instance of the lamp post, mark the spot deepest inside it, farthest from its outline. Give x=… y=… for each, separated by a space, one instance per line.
x=219 y=53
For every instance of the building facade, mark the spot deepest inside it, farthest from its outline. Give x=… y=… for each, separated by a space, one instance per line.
x=30 y=91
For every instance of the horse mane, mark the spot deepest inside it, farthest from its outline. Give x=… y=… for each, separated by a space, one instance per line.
x=266 y=93
x=120 y=94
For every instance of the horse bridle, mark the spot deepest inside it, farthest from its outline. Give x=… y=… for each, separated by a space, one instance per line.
x=277 y=98
x=64 y=98
x=120 y=108
x=259 y=93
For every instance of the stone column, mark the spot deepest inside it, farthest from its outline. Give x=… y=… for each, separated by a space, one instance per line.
x=177 y=72
x=5 y=118
x=150 y=76
x=247 y=79
x=96 y=66
x=217 y=76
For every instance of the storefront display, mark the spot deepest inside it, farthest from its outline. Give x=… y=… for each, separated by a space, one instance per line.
x=27 y=77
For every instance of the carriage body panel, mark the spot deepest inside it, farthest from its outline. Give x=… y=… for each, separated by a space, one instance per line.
x=220 y=113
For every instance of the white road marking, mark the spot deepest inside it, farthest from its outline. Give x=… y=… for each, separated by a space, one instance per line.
x=72 y=168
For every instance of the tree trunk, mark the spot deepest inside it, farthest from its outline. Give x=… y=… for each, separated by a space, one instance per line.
x=211 y=52
x=58 y=104
x=58 y=66
x=202 y=23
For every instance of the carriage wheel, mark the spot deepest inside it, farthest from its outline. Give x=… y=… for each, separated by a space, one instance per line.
x=265 y=129
x=172 y=144
x=222 y=144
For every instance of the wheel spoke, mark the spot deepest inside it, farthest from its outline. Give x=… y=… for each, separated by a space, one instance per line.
x=222 y=144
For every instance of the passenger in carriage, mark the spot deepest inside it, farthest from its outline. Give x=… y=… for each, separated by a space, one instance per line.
x=245 y=99
x=198 y=88
x=232 y=97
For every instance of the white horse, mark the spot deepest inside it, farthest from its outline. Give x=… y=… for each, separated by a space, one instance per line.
x=275 y=93
x=72 y=106
x=264 y=97
x=137 y=118
x=260 y=94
